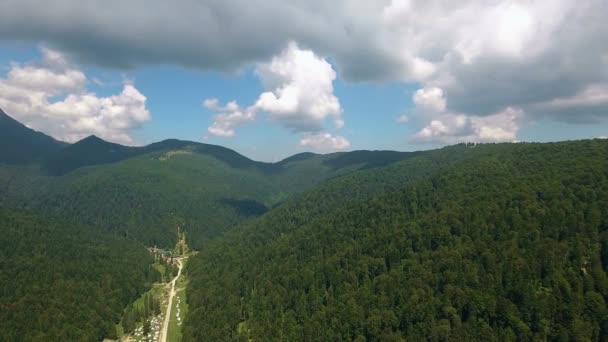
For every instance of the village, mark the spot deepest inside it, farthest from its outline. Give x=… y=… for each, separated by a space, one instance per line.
x=160 y=312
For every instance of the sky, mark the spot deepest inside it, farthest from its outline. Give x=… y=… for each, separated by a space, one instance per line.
x=277 y=77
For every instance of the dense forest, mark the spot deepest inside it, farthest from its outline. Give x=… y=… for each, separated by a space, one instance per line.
x=490 y=242
x=148 y=196
x=507 y=242
x=145 y=193
x=62 y=282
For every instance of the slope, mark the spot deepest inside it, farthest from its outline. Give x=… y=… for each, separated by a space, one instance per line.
x=204 y=189
x=95 y=151
x=510 y=244
x=21 y=145
x=62 y=282
x=146 y=192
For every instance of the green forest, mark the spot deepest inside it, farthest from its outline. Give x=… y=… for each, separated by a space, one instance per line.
x=471 y=242
x=508 y=244
x=62 y=282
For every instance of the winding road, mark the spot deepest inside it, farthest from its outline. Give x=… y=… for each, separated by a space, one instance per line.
x=165 y=329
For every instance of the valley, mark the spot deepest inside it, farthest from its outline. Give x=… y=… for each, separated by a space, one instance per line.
x=182 y=241
x=165 y=314
x=303 y=170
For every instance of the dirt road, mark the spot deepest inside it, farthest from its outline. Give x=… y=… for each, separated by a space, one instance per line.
x=165 y=329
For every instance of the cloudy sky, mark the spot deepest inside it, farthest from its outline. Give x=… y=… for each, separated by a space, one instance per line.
x=276 y=77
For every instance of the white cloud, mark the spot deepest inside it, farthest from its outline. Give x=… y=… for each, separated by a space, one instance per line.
x=485 y=55
x=324 y=142
x=52 y=97
x=300 y=92
x=454 y=128
x=445 y=127
x=228 y=118
x=431 y=98
x=299 y=96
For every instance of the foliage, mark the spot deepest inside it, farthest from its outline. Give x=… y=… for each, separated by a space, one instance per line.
x=62 y=282
x=507 y=242
x=148 y=196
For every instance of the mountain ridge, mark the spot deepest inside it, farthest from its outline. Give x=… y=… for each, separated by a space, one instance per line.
x=33 y=145
x=59 y=158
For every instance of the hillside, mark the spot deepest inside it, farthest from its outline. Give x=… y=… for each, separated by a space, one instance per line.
x=93 y=151
x=62 y=282
x=146 y=193
x=21 y=145
x=148 y=196
x=509 y=244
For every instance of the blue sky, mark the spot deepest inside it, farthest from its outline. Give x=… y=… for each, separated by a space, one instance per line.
x=505 y=72
x=175 y=96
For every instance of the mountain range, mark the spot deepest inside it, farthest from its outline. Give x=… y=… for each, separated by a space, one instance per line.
x=146 y=192
x=488 y=242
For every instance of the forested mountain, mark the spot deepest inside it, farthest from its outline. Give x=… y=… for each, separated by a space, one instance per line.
x=19 y=144
x=95 y=151
x=62 y=282
x=468 y=242
x=505 y=242
x=145 y=193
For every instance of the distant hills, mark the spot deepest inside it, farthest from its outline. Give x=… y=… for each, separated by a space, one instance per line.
x=22 y=145
x=492 y=242
x=146 y=192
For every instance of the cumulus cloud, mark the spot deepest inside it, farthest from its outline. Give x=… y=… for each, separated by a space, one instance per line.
x=324 y=142
x=431 y=99
x=300 y=92
x=299 y=96
x=453 y=128
x=52 y=97
x=444 y=127
x=229 y=116
x=542 y=57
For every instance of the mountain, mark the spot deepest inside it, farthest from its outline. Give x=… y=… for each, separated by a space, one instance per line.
x=471 y=242
x=22 y=145
x=95 y=151
x=89 y=151
x=468 y=242
x=146 y=192
x=204 y=189
x=64 y=282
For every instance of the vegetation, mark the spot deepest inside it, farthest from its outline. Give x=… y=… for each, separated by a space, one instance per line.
x=508 y=242
x=62 y=282
x=143 y=194
x=150 y=306
x=470 y=242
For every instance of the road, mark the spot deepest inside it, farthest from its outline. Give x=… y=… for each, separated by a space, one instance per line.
x=165 y=329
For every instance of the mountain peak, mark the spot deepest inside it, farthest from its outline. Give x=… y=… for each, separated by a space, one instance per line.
x=22 y=145
x=92 y=138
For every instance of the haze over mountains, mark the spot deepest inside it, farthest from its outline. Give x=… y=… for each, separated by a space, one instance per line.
x=468 y=242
